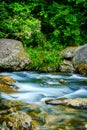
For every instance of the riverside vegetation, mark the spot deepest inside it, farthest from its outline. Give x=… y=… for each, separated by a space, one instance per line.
x=44 y=27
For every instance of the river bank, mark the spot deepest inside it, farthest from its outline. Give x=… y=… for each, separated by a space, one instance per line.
x=13 y=57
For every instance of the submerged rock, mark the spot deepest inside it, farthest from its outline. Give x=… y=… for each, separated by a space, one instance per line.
x=12 y=55
x=7 y=84
x=4 y=126
x=18 y=121
x=46 y=118
x=57 y=101
x=11 y=103
x=63 y=81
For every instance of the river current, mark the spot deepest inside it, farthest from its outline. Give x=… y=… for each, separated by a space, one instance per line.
x=35 y=88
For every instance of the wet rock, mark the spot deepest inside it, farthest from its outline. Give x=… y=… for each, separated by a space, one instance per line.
x=4 y=126
x=63 y=81
x=57 y=102
x=19 y=121
x=75 y=102
x=6 y=79
x=7 y=84
x=47 y=69
x=51 y=119
x=66 y=66
x=11 y=103
x=80 y=59
x=38 y=115
x=12 y=55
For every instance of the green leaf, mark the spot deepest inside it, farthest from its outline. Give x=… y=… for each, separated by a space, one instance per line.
x=74 y=18
x=79 y=1
x=76 y=32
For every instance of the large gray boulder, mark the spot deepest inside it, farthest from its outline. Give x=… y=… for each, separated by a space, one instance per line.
x=80 y=59
x=68 y=52
x=12 y=55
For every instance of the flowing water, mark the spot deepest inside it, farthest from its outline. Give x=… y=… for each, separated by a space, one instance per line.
x=35 y=88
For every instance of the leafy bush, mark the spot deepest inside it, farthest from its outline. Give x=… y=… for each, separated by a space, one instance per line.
x=39 y=21
x=44 y=27
x=67 y=22
x=18 y=23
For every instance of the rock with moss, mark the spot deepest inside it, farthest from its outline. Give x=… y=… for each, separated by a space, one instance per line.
x=17 y=121
x=75 y=102
x=68 y=52
x=80 y=59
x=4 y=126
x=12 y=55
x=7 y=104
x=66 y=66
x=7 y=84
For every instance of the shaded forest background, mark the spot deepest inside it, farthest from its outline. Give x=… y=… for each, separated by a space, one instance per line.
x=44 y=27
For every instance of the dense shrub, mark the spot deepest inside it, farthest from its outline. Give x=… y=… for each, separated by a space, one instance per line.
x=44 y=27
x=37 y=21
x=17 y=22
x=64 y=22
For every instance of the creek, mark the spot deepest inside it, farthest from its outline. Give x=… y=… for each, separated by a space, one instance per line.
x=35 y=88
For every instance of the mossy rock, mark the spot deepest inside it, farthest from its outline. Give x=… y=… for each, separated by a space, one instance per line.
x=80 y=103
x=7 y=84
x=17 y=121
x=68 y=52
x=12 y=55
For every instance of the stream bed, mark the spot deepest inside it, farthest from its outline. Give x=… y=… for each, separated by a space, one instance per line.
x=35 y=88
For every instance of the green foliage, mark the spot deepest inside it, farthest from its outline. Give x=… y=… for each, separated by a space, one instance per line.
x=38 y=22
x=44 y=26
x=18 y=23
x=66 y=24
x=43 y=60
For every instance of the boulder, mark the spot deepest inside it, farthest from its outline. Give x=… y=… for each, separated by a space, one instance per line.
x=68 y=52
x=66 y=66
x=12 y=55
x=80 y=59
